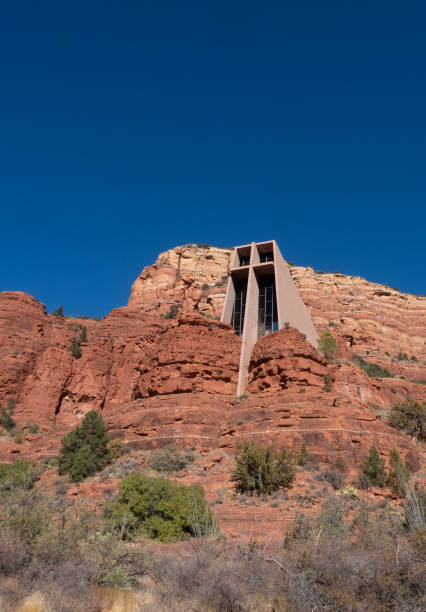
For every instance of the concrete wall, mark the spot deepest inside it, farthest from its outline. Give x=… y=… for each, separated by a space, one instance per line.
x=291 y=307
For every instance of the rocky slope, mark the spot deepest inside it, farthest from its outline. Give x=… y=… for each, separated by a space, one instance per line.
x=160 y=378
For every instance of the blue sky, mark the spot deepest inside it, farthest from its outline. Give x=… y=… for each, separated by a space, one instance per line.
x=127 y=128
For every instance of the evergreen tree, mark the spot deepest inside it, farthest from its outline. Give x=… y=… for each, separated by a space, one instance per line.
x=85 y=449
x=327 y=345
x=83 y=334
x=410 y=416
x=59 y=312
x=75 y=349
x=160 y=509
x=6 y=419
x=259 y=470
x=374 y=468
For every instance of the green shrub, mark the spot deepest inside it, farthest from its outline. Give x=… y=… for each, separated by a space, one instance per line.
x=59 y=312
x=287 y=325
x=20 y=474
x=170 y=459
x=75 y=349
x=172 y=313
x=259 y=470
x=398 y=474
x=85 y=449
x=159 y=509
x=83 y=334
x=205 y=287
x=402 y=356
x=242 y=397
x=374 y=468
x=328 y=383
x=33 y=428
x=373 y=370
x=327 y=345
x=302 y=457
x=6 y=419
x=409 y=416
x=18 y=439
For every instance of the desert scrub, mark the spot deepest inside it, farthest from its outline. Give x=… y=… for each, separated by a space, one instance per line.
x=373 y=370
x=159 y=509
x=170 y=459
x=327 y=345
x=259 y=470
x=85 y=450
x=374 y=468
x=409 y=416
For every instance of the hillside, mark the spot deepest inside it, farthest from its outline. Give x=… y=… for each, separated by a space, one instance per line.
x=159 y=380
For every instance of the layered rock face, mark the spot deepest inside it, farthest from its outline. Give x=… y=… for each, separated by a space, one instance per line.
x=192 y=277
x=125 y=357
x=367 y=319
x=163 y=370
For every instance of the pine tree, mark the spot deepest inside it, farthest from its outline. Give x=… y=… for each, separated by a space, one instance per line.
x=85 y=449
x=374 y=468
x=327 y=344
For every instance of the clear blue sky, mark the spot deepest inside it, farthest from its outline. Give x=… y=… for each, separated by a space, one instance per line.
x=127 y=128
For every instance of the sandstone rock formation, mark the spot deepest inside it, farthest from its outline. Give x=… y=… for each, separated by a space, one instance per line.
x=162 y=369
x=192 y=276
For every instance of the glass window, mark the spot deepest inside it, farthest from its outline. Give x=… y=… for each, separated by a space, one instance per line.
x=268 y=313
x=239 y=306
x=266 y=257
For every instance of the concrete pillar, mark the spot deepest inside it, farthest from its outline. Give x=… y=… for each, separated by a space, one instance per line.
x=290 y=305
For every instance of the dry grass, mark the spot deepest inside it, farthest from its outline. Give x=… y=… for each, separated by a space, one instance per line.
x=33 y=603
x=113 y=600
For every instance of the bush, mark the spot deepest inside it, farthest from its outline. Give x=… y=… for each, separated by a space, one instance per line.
x=21 y=474
x=398 y=474
x=6 y=419
x=258 y=470
x=75 y=349
x=205 y=287
x=174 y=309
x=170 y=459
x=327 y=345
x=373 y=370
x=374 y=468
x=328 y=383
x=302 y=457
x=33 y=428
x=409 y=416
x=415 y=508
x=59 y=312
x=159 y=509
x=85 y=449
x=335 y=475
x=83 y=334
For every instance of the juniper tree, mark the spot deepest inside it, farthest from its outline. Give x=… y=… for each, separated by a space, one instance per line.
x=374 y=468
x=85 y=449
